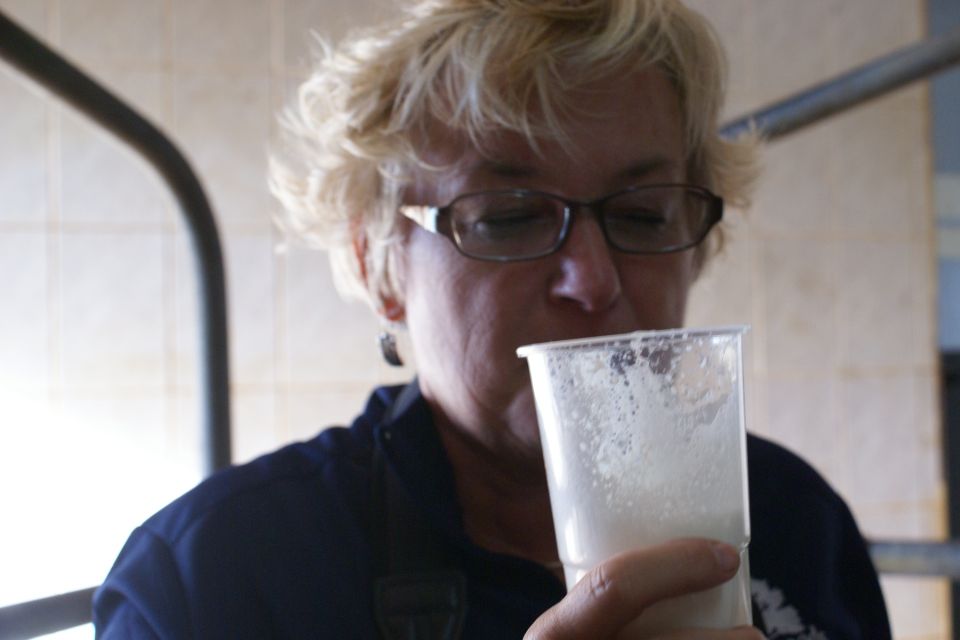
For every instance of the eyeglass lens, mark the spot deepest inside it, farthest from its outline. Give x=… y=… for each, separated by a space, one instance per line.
x=517 y=225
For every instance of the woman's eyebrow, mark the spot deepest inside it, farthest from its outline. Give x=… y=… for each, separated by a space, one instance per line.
x=504 y=169
x=510 y=169
x=647 y=166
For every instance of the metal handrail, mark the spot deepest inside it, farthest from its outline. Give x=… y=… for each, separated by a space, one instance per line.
x=25 y=52
x=46 y=615
x=52 y=71
x=917 y=558
x=33 y=58
x=850 y=89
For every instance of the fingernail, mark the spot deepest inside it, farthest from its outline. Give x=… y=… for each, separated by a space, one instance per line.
x=727 y=557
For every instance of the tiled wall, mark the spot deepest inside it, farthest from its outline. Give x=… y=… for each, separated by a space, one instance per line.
x=833 y=267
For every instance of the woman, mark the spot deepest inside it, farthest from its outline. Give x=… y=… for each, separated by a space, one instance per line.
x=475 y=172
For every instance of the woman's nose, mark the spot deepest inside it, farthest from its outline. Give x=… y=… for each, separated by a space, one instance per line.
x=588 y=274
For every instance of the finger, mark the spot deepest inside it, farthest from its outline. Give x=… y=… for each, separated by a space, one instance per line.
x=619 y=590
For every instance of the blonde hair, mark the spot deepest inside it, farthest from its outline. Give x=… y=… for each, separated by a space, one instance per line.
x=477 y=66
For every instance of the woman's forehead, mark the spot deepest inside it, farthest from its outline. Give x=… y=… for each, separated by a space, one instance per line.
x=616 y=101
x=624 y=131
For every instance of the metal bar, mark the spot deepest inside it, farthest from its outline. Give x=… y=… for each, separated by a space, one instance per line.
x=917 y=558
x=929 y=559
x=50 y=70
x=851 y=89
x=47 y=615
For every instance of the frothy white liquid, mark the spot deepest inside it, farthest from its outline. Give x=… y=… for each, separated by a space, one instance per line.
x=643 y=446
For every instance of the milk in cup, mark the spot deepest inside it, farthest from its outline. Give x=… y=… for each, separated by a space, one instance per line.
x=643 y=439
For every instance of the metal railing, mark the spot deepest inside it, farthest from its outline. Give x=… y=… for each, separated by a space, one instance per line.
x=54 y=73
x=50 y=70
x=46 y=615
x=850 y=89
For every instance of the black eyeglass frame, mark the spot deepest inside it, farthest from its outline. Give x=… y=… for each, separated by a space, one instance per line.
x=437 y=219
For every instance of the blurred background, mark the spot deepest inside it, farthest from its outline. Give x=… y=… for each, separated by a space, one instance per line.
x=844 y=266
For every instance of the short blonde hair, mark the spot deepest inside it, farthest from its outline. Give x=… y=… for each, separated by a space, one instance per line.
x=477 y=66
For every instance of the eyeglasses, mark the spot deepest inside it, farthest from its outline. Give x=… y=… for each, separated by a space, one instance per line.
x=522 y=225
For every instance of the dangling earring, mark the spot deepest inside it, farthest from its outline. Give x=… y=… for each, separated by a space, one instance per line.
x=388 y=348
x=391 y=316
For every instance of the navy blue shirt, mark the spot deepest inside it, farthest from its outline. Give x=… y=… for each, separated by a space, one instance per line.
x=282 y=547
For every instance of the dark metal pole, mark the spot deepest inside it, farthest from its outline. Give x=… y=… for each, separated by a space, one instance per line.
x=47 y=615
x=940 y=559
x=47 y=68
x=851 y=89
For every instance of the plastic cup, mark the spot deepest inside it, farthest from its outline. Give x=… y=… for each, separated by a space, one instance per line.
x=643 y=439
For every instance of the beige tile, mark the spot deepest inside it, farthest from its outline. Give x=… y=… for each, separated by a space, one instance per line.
x=116 y=32
x=311 y=410
x=802 y=414
x=111 y=322
x=886 y=306
x=211 y=35
x=23 y=154
x=103 y=179
x=931 y=474
x=183 y=431
x=931 y=480
x=795 y=191
x=148 y=92
x=733 y=21
x=869 y=30
x=304 y=20
x=927 y=386
x=251 y=301
x=28 y=14
x=891 y=521
x=25 y=321
x=795 y=47
x=222 y=124
x=800 y=304
x=250 y=346
x=883 y=168
x=886 y=453
x=723 y=294
x=918 y=607
x=327 y=340
x=255 y=428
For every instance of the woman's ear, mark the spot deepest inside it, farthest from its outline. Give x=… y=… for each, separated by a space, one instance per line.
x=392 y=310
x=360 y=255
x=386 y=307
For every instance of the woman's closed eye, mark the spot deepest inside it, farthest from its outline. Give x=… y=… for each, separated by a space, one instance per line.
x=505 y=223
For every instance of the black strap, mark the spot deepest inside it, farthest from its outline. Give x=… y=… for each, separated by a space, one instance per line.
x=419 y=593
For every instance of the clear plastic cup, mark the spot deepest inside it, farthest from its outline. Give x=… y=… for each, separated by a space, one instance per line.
x=643 y=440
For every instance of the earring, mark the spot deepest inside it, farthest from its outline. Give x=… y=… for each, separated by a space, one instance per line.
x=388 y=348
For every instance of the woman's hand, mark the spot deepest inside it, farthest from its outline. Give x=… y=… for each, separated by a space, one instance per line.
x=617 y=592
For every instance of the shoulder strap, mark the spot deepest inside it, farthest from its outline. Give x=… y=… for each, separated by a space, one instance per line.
x=419 y=594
